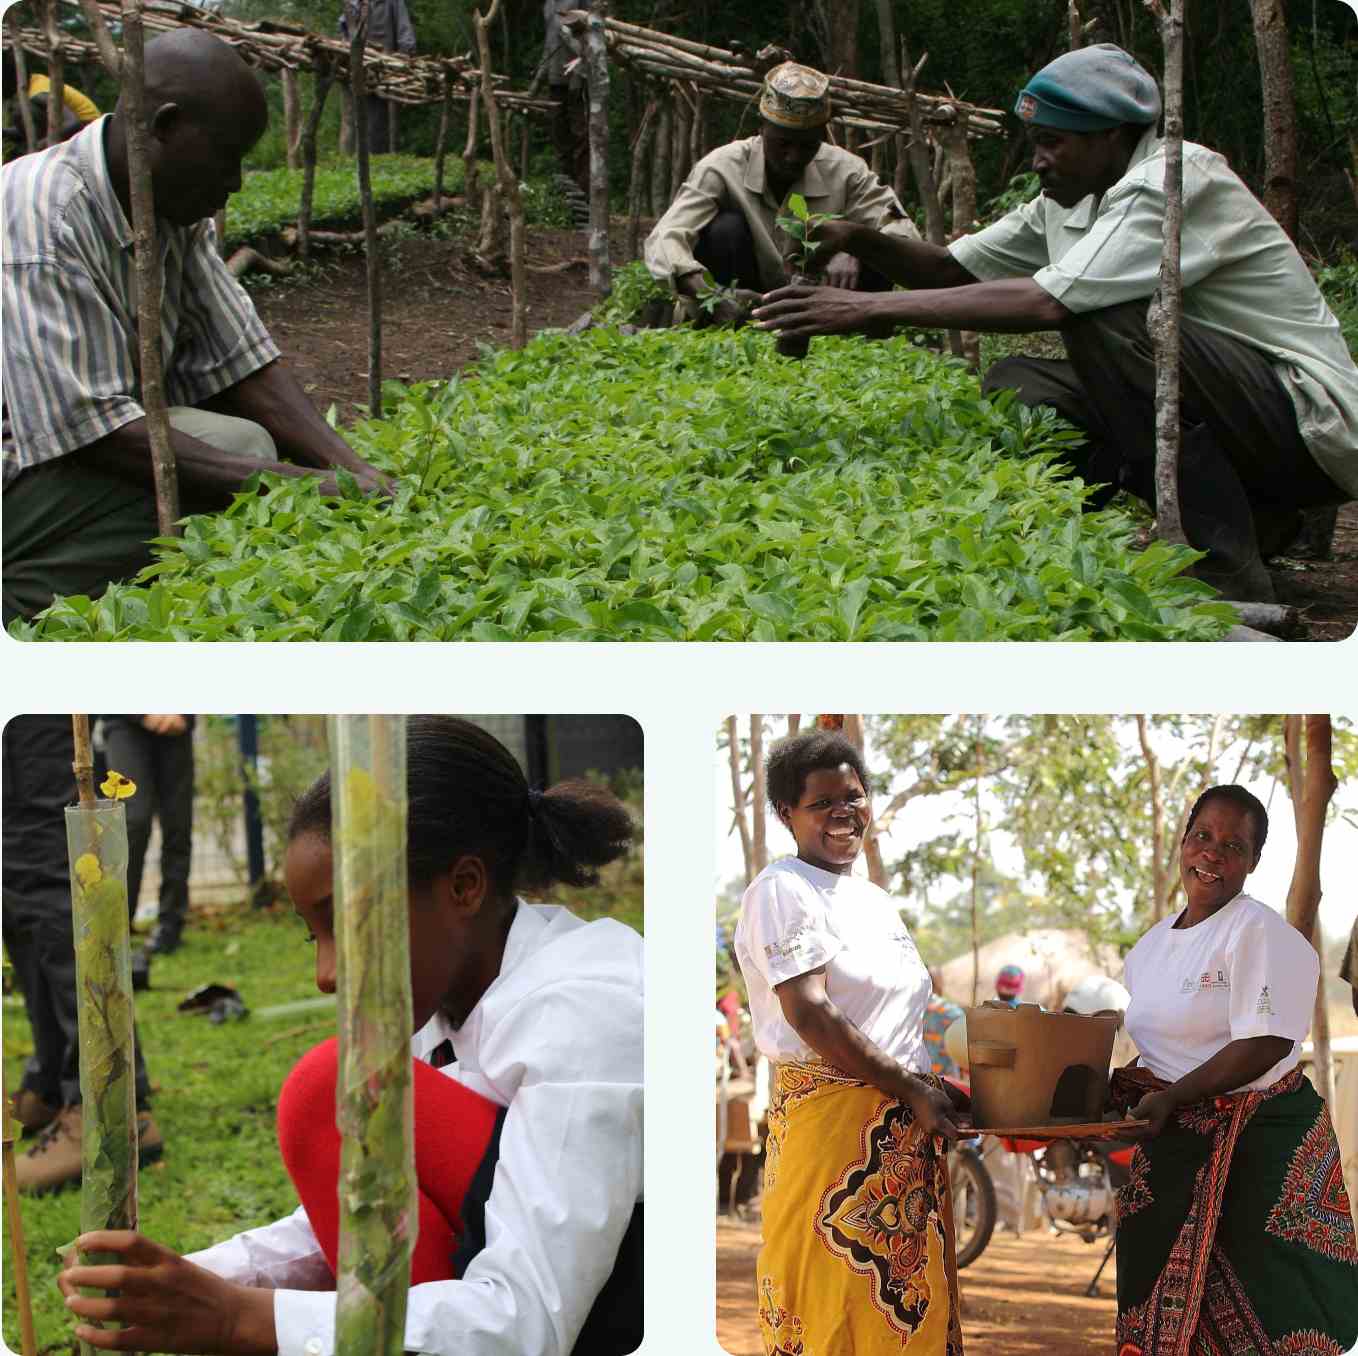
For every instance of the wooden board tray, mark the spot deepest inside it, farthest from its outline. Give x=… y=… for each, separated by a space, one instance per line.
x=1083 y=1130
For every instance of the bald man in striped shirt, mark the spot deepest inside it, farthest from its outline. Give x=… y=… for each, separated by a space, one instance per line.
x=79 y=501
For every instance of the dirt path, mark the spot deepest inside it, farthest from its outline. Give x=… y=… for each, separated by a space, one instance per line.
x=438 y=309
x=1019 y=1298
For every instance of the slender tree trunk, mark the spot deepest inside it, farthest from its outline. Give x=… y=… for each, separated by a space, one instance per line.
x=109 y=56
x=1159 y=872
x=14 y=1224
x=147 y=253
x=635 y=189
x=596 y=62
x=471 y=187
x=441 y=145
x=886 y=30
x=1166 y=308
x=661 y=195
x=56 y=72
x=844 y=38
x=1312 y=783
x=292 y=116
x=321 y=82
x=872 y=846
x=1076 y=25
x=1280 y=112
x=738 y=797
x=358 y=95
x=758 y=795
x=679 y=164
x=506 y=180
x=346 y=130
x=935 y=231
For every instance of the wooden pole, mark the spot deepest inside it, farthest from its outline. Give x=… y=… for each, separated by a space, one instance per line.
x=471 y=188
x=83 y=762
x=738 y=796
x=1312 y=783
x=758 y=795
x=148 y=273
x=953 y=136
x=441 y=145
x=109 y=56
x=28 y=1342
x=56 y=72
x=596 y=64
x=635 y=187
x=21 y=97
x=324 y=78
x=506 y=180
x=660 y=161
x=358 y=96
x=292 y=116
x=1166 y=309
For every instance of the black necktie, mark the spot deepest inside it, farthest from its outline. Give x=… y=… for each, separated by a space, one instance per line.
x=442 y=1055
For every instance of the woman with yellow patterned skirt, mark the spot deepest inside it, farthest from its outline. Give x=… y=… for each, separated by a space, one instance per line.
x=858 y=1254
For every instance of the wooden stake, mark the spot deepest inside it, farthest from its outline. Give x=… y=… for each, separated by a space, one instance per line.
x=471 y=187
x=506 y=180
x=148 y=274
x=1166 y=309
x=21 y=76
x=441 y=147
x=324 y=78
x=56 y=72
x=358 y=31
x=28 y=1342
x=109 y=56
x=758 y=796
x=596 y=64
x=83 y=763
x=635 y=187
x=292 y=116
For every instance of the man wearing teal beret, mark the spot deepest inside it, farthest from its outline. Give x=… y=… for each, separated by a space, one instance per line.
x=1269 y=388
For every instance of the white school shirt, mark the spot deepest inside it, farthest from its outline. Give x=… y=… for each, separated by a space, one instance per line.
x=557 y=1039
x=1243 y=972
x=796 y=917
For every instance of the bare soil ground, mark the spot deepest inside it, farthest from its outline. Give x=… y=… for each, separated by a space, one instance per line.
x=438 y=308
x=1021 y=1297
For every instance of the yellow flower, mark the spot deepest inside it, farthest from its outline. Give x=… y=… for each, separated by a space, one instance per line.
x=87 y=870
x=118 y=787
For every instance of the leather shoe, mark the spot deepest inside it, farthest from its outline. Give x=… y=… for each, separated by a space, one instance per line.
x=32 y=1111
x=54 y=1161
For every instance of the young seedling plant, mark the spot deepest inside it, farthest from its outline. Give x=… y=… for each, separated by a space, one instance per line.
x=799 y=228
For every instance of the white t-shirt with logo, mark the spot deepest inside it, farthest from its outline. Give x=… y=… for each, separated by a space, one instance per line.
x=796 y=917
x=1243 y=972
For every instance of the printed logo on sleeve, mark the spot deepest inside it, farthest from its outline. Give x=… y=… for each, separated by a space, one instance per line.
x=1209 y=981
x=789 y=948
x=1264 y=1007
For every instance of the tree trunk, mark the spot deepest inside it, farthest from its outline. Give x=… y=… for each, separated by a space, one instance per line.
x=1075 y=24
x=596 y=61
x=738 y=797
x=507 y=182
x=963 y=173
x=147 y=253
x=758 y=795
x=661 y=195
x=1312 y=783
x=471 y=187
x=644 y=137
x=358 y=93
x=109 y=56
x=679 y=166
x=1159 y=870
x=975 y=880
x=872 y=847
x=1166 y=308
x=292 y=117
x=844 y=38
x=886 y=28
x=1280 y=113
x=321 y=82
x=346 y=131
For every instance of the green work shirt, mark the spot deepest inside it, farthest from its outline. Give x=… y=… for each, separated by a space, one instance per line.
x=731 y=178
x=1241 y=275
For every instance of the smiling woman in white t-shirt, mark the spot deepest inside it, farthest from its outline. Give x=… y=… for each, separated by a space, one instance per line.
x=1236 y=1220
x=858 y=1250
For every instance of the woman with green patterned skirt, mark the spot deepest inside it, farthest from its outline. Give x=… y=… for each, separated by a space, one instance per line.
x=858 y=1256
x=1234 y=1233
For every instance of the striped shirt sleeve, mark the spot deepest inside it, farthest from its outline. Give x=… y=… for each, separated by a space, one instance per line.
x=220 y=338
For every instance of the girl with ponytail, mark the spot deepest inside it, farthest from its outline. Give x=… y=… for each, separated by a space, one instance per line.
x=527 y=1089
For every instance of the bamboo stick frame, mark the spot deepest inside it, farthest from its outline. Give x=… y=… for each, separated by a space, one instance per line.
x=379 y=1217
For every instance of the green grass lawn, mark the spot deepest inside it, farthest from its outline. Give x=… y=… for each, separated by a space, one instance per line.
x=215 y=1092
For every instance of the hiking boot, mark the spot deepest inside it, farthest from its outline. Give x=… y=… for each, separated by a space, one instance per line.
x=54 y=1161
x=165 y=939
x=32 y=1111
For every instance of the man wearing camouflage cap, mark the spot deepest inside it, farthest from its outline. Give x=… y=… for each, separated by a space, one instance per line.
x=723 y=219
x=1269 y=389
